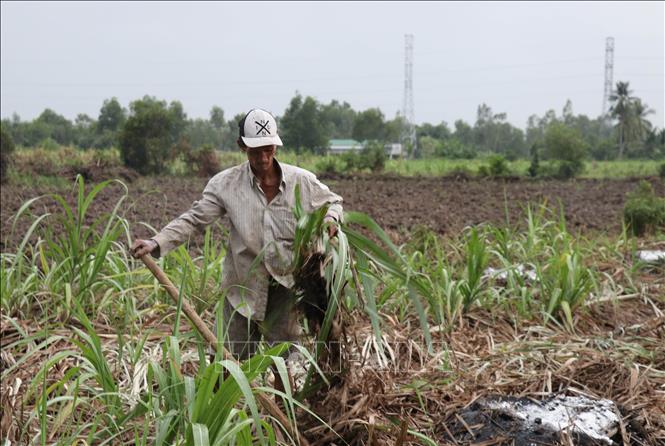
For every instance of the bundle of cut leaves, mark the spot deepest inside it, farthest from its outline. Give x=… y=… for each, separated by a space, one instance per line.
x=319 y=267
x=322 y=266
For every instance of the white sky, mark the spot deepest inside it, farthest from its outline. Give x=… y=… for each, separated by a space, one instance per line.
x=520 y=58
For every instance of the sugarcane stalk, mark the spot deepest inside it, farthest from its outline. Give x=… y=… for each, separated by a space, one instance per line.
x=268 y=404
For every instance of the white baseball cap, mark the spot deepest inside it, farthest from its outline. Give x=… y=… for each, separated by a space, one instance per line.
x=258 y=128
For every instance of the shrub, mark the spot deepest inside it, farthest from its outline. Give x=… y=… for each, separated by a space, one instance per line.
x=6 y=150
x=484 y=171
x=429 y=147
x=454 y=149
x=148 y=136
x=202 y=162
x=566 y=148
x=352 y=161
x=372 y=157
x=328 y=165
x=534 y=168
x=661 y=171
x=644 y=211
x=564 y=169
x=49 y=144
x=497 y=167
x=603 y=150
x=106 y=158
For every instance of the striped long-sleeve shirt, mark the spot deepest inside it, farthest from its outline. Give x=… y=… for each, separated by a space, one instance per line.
x=261 y=236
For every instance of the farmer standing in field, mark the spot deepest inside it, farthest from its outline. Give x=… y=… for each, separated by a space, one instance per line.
x=258 y=196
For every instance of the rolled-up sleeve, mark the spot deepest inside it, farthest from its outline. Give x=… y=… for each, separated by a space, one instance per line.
x=320 y=194
x=202 y=213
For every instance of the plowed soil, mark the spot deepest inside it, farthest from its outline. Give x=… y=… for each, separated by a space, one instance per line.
x=398 y=204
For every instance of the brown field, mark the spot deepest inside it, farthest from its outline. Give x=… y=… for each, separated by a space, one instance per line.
x=614 y=349
x=398 y=204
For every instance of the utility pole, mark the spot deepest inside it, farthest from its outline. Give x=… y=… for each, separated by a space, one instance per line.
x=609 y=74
x=409 y=131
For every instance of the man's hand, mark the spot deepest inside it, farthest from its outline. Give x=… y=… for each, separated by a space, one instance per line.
x=143 y=247
x=332 y=230
x=332 y=226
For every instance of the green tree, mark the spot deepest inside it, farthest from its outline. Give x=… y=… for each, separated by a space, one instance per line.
x=654 y=144
x=202 y=132
x=111 y=116
x=429 y=147
x=565 y=146
x=632 y=124
x=223 y=130
x=639 y=126
x=394 y=129
x=340 y=118
x=231 y=132
x=463 y=133
x=178 y=119
x=431 y=139
x=84 y=131
x=536 y=127
x=492 y=133
x=453 y=148
x=534 y=167
x=369 y=126
x=439 y=131
x=50 y=124
x=374 y=156
x=595 y=132
x=510 y=140
x=6 y=150
x=303 y=127
x=567 y=115
x=217 y=118
x=150 y=133
x=16 y=129
x=621 y=110
x=36 y=132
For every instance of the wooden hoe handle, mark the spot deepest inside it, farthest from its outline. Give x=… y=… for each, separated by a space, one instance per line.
x=265 y=401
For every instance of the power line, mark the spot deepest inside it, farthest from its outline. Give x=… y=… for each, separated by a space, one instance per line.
x=333 y=78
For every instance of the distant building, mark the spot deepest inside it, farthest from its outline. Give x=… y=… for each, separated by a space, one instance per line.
x=393 y=150
x=338 y=146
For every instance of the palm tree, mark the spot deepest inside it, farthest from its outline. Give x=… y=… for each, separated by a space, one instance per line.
x=639 y=126
x=621 y=101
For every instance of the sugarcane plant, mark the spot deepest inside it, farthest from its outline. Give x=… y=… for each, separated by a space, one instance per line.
x=322 y=266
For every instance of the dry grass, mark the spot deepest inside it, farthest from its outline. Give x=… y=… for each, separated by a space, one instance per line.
x=621 y=359
x=616 y=352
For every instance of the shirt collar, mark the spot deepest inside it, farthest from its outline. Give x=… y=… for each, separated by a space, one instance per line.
x=253 y=180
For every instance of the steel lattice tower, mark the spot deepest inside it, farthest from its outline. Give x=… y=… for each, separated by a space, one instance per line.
x=409 y=135
x=609 y=73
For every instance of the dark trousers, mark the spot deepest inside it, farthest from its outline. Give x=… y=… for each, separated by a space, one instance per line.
x=280 y=324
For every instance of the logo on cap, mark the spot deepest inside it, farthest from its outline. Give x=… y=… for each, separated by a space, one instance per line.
x=262 y=127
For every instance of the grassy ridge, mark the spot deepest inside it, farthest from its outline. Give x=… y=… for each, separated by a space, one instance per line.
x=46 y=167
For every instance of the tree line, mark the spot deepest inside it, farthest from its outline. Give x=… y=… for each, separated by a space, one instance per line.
x=152 y=129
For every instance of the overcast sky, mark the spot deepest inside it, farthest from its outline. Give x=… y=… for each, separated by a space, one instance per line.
x=519 y=58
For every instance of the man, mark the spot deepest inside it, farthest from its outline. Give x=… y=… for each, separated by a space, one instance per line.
x=258 y=196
